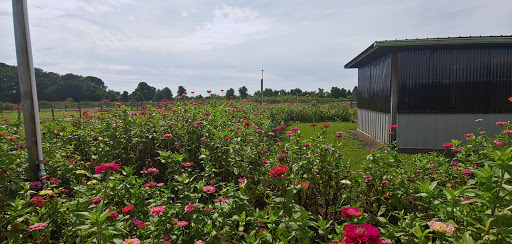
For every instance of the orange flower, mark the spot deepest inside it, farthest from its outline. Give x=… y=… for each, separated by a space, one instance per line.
x=510 y=99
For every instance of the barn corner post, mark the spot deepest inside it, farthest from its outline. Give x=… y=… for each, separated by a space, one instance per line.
x=28 y=89
x=394 y=95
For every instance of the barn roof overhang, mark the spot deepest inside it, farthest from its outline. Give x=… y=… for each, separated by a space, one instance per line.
x=381 y=48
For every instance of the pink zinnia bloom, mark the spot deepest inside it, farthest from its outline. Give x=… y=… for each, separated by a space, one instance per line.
x=37 y=226
x=182 y=224
x=128 y=209
x=447 y=145
x=190 y=207
x=199 y=242
x=441 y=227
x=106 y=166
x=113 y=216
x=153 y=170
x=350 y=212
x=468 y=173
x=242 y=180
x=157 y=210
x=295 y=129
x=501 y=123
x=367 y=177
x=187 y=164
x=207 y=114
x=392 y=127
x=139 y=223
x=455 y=163
x=499 y=144
x=385 y=182
x=95 y=201
x=150 y=184
x=305 y=145
x=17 y=108
x=220 y=199
x=167 y=136
x=199 y=122
x=209 y=189
x=361 y=234
x=131 y=241
x=313 y=125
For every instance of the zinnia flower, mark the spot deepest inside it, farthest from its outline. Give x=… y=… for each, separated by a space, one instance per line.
x=139 y=223
x=190 y=207
x=128 y=209
x=278 y=172
x=182 y=224
x=392 y=127
x=36 y=185
x=113 y=216
x=131 y=241
x=106 y=166
x=302 y=184
x=157 y=210
x=187 y=164
x=38 y=201
x=95 y=201
x=447 y=145
x=350 y=212
x=362 y=234
x=167 y=136
x=441 y=227
x=209 y=189
x=37 y=226
x=468 y=173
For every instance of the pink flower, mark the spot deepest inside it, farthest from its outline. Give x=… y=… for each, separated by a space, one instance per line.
x=367 y=177
x=392 y=127
x=167 y=136
x=501 y=123
x=350 y=212
x=242 y=180
x=131 y=241
x=447 y=145
x=455 y=163
x=199 y=122
x=295 y=129
x=441 y=227
x=499 y=144
x=128 y=209
x=209 y=189
x=37 y=226
x=38 y=201
x=206 y=114
x=113 y=216
x=220 y=199
x=305 y=145
x=187 y=164
x=17 y=108
x=106 y=167
x=157 y=210
x=365 y=233
x=432 y=166
x=95 y=201
x=468 y=173
x=302 y=184
x=150 y=184
x=385 y=182
x=199 y=242
x=182 y=224
x=190 y=207
x=313 y=125
x=138 y=223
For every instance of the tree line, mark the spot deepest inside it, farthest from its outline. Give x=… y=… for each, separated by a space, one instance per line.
x=55 y=87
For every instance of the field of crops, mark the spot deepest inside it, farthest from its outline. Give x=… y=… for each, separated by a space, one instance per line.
x=240 y=172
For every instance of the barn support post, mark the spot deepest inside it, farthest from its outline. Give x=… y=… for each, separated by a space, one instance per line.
x=394 y=93
x=28 y=91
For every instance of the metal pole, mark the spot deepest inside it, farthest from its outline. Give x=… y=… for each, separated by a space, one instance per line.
x=28 y=89
x=53 y=115
x=261 y=91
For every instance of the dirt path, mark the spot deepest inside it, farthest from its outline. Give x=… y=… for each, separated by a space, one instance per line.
x=369 y=142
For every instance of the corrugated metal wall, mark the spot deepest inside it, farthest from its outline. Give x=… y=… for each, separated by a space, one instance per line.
x=373 y=90
x=455 y=80
x=432 y=130
x=374 y=124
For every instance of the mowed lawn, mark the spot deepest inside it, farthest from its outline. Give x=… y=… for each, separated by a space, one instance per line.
x=353 y=148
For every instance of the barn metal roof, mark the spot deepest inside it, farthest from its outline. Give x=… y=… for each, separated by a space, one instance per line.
x=381 y=48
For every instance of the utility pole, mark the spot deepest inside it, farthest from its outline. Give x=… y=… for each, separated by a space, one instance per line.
x=261 y=91
x=28 y=90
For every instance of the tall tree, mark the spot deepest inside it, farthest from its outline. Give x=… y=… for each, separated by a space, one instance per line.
x=125 y=96
x=147 y=91
x=242 y=91
x=181 y=91
x=230 y=93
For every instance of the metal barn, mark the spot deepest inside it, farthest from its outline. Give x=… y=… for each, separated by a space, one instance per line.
x=433 y=89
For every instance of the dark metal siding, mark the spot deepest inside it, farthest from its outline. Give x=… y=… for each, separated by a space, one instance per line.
x=373 y=90
x=455 y=80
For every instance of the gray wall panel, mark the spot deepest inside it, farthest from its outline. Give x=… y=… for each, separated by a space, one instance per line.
x=430 y=131
x=374 y=124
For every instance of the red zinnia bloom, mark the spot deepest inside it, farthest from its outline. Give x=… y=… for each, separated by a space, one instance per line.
x=199 y=122
x=350 y=212
x=209 y=91
x=326 y=125
x=278 y=171
x=163 y=100
x=17 y=108
x=167 y=136
x=362 y=234
x=392 y=127
x=313 y=125
x=105 y=100
x=447 y=145
x=38 y=201
x=209 y=189
x=128 y=209
x=106 y=166
x=302 y=184
x=113 y=216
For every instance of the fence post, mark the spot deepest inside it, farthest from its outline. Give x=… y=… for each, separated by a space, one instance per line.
x=53 y=115
x=79 y=109
x=131 y=106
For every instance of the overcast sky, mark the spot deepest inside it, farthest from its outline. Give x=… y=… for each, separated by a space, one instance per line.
x=214 y=45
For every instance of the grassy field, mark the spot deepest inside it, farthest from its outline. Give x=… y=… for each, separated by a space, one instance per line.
x=44 y=114
x=353 y=149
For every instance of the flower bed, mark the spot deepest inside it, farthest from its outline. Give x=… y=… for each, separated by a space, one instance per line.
x=229 y=172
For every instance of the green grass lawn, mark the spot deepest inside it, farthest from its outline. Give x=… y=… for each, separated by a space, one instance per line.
x=44 y=114
x=353 y=149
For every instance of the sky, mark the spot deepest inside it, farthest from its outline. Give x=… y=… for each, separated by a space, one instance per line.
x=213 y=45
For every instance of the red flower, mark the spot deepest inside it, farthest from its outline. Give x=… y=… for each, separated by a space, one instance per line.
x=164 y=100
x=85 y=112
x=199 y=122
x=38 y=201
x=362 y=234
x=106 y=166
x=392 y=127
x=113 y=216
x=17 y=108
x=302 y=184
x=447 y=145
x=313 y=125
x=350 y=212
x=167 y=136
x=128 y=209
x=278 y=171
x=95 y=201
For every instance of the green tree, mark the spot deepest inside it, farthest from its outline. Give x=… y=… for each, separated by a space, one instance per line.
x=230 y=93
x=268 y=92
x=181 y=91
x=242 y=91
x=147 y=91
x=125 y=96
